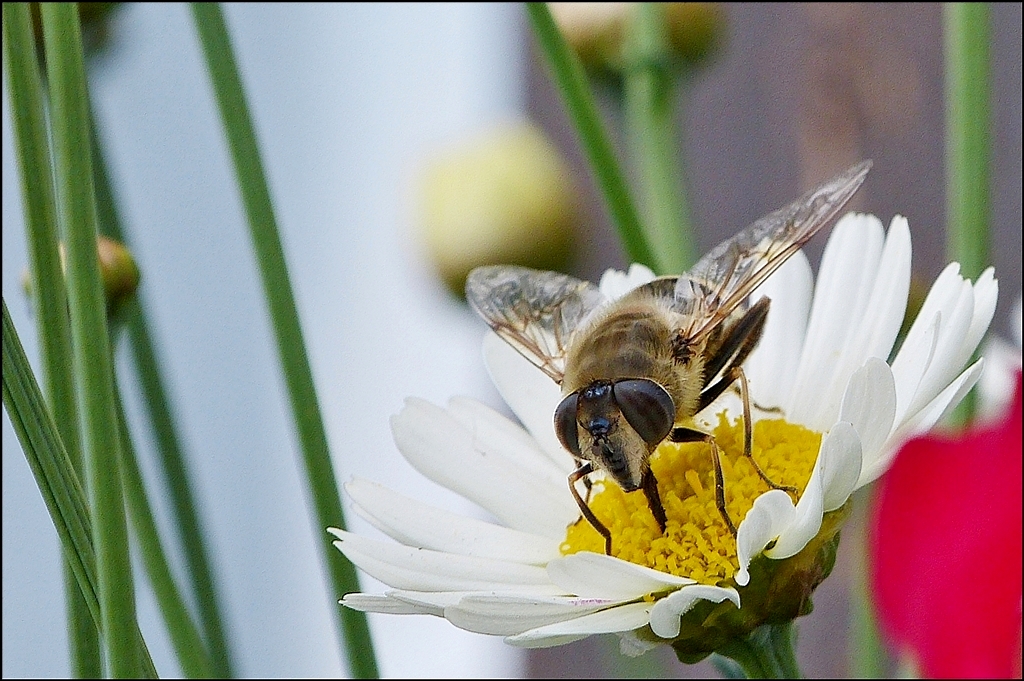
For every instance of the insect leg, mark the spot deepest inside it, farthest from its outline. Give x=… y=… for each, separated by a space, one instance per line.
x=748 y=436
x=585 y=468
x=650 y=484
x=740 y=341
x=682 y=434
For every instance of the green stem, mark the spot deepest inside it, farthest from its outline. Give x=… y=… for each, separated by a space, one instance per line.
x=48 y=291
x=189 y=530
x=58 y=484
x=968 y=150
x=968 y=122
x=579 y=101
x=767 y=653
x=188 y=645
x=650 y=116
x=868 y=657
x=320 y=476
x=93 y=373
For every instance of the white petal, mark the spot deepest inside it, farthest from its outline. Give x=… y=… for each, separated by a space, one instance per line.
x=419 y=525
x=997 y=382
x=950 y=301
x=404 y=567
x=945 y=401
x=771 y=513
x=773 y=364
x=946 y=361
x=843 y=288
x=622 y=618
x=632 y=645
x=384 y=604
x=615 y=283
x=888 y=303
x=436 y=445
x=806 y=519
x=666 y=612
x=840 y=462
x=511 y=614
x=434 y=601
x=912 y=361
x=494 y=433
x=986 y=295
x=870 y=405
x=921 y=422
x=530 y=394
x=595 y=575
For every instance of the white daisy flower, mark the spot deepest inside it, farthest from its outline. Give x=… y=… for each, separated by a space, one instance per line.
x=830 y=413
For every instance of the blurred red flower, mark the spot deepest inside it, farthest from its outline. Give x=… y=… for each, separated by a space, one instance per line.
x=946 y=551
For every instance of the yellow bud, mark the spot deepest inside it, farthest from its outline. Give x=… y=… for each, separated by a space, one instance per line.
x=118 y=271
x=596 y=30
x=506 y=198
x=694 y=28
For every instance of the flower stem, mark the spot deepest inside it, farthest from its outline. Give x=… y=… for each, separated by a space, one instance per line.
x=767 y=653
x=90 y=341
x=323 y=485
x=868 y=658
x=28 y=117
x=968 y=120
x=968 y=150
x=184 y=515
x=57 y=481
x=579 y=101
x=650 y=95
x=192 y=653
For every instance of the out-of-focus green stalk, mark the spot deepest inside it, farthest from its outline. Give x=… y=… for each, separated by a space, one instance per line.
x=49 y=295
x=93 y=375
x=650 y=99
x=968 y=123
x=291 y=348
x=185 y=516
x=191 y=651
x=579 y=101
x=867 y=655
x=968 y=150
x=56 y=478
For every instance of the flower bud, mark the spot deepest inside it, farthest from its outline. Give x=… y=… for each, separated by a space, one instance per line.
x=118 y=271
x=506 y=198
x=596 y=30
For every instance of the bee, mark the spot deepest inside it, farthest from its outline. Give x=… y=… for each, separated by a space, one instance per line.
x=634 y=372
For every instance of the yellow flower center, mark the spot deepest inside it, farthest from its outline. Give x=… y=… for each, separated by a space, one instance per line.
x=696 y=543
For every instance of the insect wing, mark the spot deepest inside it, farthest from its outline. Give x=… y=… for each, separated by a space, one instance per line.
x=729 y=273
x=534 y=311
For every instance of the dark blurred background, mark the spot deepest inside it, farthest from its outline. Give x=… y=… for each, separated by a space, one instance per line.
x=796 y=93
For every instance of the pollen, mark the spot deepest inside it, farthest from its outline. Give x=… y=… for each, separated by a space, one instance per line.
x=697 y=543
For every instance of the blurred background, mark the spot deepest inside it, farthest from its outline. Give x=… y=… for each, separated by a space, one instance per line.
x=357 y=107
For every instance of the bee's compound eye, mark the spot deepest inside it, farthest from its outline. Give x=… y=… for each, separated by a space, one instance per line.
x=565 y=424
x=647 y=406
